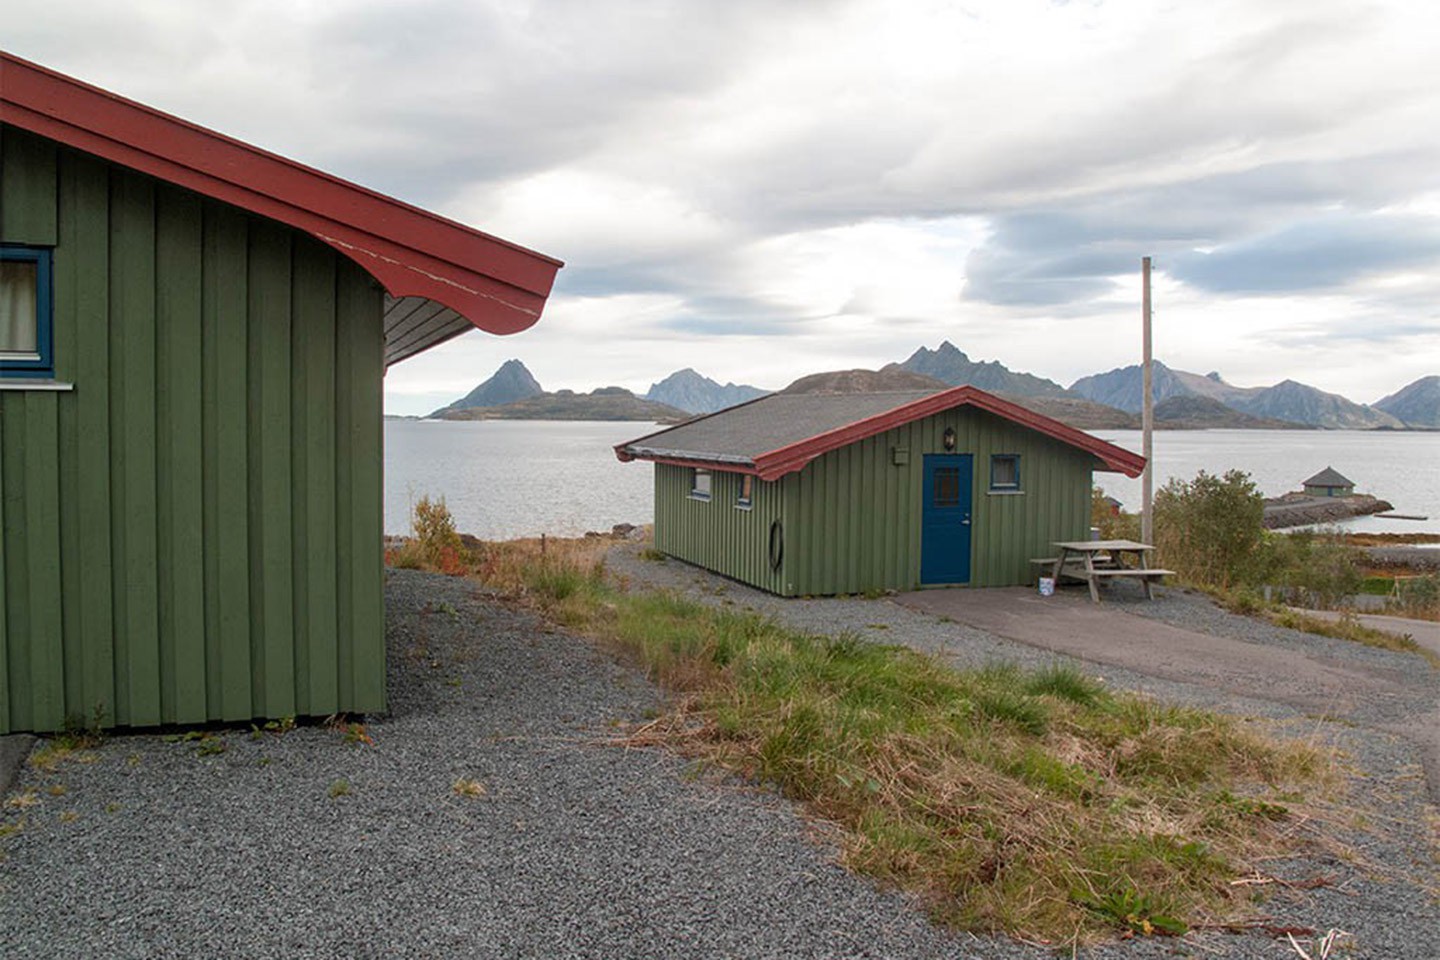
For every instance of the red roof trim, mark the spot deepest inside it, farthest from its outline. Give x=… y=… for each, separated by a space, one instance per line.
x=789 y=459
x=777 y=463
x=496 y=285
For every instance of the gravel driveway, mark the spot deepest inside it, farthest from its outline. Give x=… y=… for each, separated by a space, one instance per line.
x=302 y=844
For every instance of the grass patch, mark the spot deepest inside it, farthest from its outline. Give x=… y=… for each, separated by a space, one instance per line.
x=467 y=787
x=70 y=747
x=1377 y=586
x=1349 y=627
x=1029 y=802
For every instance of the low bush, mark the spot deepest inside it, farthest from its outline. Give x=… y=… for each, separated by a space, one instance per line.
x=1209 y=530
x=433 y=543
x=1417 y=597
x=1114 y=523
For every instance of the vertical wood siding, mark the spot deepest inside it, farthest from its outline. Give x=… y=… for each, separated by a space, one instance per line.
x=192 y=533
x=852 y=516
x=715 y=533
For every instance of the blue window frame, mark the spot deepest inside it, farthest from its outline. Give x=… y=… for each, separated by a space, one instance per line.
x=1005 y=472
x=26 y=336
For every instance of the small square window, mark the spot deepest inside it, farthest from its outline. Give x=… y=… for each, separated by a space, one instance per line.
x=700 y=483
x=746 y=495
x=25 y=345
x=1005 y=471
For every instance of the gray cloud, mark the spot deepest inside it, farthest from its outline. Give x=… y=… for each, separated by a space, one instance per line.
x=1278 y=154
x=1313 y=255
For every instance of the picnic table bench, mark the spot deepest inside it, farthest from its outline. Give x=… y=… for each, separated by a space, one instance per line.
x=1097 y=561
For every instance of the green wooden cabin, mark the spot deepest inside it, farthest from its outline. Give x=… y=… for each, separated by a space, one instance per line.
x=817 y=494
x=191 y=363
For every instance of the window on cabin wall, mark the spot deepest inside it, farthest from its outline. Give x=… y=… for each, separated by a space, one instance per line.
x=25 y=341
x=745 y=497
x=700 y=483
x=1005 y=472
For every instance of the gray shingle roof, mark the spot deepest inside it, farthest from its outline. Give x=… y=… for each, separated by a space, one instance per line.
x=1328 y=478
x=740 y=434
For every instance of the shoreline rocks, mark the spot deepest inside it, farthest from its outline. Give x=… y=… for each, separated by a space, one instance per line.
x=1300 y=510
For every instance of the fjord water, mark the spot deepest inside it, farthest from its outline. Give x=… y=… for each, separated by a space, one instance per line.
x=1401 y=467
x=514 y=478
x=517 y=478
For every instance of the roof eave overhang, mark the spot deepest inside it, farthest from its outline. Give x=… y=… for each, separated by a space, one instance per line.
x=493 y=284
x=792 y=458
x=728 y=464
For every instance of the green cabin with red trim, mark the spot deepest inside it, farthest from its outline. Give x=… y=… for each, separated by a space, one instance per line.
x=813 y=494
x=193 y=339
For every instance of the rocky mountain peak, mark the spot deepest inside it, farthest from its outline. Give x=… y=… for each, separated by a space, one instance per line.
x=511 y=382
x=688 y=390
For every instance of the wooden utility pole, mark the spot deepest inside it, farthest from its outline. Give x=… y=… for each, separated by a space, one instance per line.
x=1147 y=414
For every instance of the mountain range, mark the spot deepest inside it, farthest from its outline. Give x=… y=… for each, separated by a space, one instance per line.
x=1109 y=400
x=948 y=364
x=1287 y=403
x=1287 y=400
x=1417 y=404
x=689 y=391
x=513 y=393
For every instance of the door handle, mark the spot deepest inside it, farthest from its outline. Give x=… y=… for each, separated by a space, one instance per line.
x=965 y=522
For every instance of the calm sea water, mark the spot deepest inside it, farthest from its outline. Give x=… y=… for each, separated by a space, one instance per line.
x=1403 y=468
x=505 y=479
x=516 y=478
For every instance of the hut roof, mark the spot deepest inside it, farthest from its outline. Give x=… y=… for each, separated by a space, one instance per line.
x=782 y=432
x=1329 y=477
x=440 y=276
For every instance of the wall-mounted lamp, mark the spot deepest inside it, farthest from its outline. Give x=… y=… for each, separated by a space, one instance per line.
x=949 y=439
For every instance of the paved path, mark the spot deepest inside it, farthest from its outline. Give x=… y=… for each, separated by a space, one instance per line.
x=1369 y=692
x=1424 y=632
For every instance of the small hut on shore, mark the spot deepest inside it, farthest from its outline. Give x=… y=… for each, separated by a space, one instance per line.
x=1329 y=483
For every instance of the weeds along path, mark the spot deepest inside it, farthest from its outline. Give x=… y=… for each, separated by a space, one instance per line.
x=1179 y=647
x=1180 y=641
x=1374 y=707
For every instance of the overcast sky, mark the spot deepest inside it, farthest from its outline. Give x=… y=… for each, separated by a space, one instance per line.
x=761 y=190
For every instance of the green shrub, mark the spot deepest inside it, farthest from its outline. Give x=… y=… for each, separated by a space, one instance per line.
x=434 y=529
x=1209 y=529
x=1113 y=524
x=1418 y=597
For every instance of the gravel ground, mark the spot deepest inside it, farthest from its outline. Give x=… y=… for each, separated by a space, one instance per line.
x=1380 y=882
x=578 y=848
x=304 y=845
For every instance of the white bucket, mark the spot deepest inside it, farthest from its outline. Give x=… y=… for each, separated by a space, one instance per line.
x=1047 y=586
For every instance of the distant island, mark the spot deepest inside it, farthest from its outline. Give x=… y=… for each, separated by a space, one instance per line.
x=606 y=403
x=1102 y=401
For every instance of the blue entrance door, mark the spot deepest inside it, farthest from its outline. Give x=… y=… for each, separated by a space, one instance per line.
x=945 y=519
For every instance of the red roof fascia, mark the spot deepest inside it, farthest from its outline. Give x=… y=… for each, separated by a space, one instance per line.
x=777 y=463
x=498 y=286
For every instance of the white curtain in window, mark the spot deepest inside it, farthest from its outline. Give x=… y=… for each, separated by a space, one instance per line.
x=17 y=306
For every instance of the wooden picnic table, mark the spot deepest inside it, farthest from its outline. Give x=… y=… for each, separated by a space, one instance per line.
x=1094 y=561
